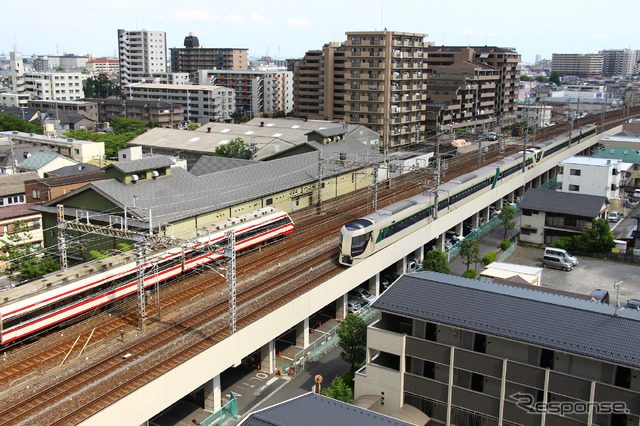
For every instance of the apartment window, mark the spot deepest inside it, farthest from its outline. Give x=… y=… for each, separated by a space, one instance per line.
x=574 y=187
x=36 y=194
x=575 y=172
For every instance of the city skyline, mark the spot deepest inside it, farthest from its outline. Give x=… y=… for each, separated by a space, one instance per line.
x=286 y=29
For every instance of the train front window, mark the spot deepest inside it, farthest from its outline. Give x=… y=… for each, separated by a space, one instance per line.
x=359 y=244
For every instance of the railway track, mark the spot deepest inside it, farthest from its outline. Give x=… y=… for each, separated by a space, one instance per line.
x=271 y=264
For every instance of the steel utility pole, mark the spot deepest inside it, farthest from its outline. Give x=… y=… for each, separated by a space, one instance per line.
x=435 y=193
x=62 y=245
x=140 y=265
x=320 y=160
x=375 y=186
x=230 y=253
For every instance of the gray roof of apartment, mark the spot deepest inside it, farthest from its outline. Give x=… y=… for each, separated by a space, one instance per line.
x=142 y=164
x=539 y=318
x=563 y=202
x=312 y=409
x=208 y=164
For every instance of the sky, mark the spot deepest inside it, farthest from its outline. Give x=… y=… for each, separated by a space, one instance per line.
x=288 y=28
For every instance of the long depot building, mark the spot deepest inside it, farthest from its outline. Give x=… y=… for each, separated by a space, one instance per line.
x=175 y=202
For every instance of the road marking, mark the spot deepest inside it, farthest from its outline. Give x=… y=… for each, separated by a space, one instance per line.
x=262 y=375
x=272 y=380
x=247 y=384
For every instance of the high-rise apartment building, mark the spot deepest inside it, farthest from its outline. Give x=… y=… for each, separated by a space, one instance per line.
x=381 y=79
x=385 y=84
x=192 y=58
x=578 y=64
x=141 y=54
x=621 y=62
x=472 y=86
x=256 y=92
x=319 y=83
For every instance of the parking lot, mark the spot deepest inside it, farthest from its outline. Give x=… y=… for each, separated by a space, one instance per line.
x=588 y=275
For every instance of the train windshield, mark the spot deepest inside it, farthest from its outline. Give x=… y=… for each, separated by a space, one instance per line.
x=359 y=244
x=358 y=224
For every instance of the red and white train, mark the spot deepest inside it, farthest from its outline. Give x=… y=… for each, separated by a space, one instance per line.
x=25 y=312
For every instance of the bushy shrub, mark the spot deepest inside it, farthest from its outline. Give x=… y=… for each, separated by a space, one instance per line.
x=469 y=273
x=488 y=258
x=505 y=244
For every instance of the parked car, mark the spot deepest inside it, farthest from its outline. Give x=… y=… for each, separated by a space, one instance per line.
x=557 y=262
x=492 y=136
x=600 y=296
x=561 y=252
x=387 y=278
x=633 y=304
x=353 y=306
x=361 y=295
x=413 y=264
x=613 y=216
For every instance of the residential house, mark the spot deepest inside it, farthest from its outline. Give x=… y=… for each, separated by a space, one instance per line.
x=549 y=215
x=31 y=220
x=631 y=178
x=43 y=162
x=593 y=176
x=12 y=190
x=41 y=190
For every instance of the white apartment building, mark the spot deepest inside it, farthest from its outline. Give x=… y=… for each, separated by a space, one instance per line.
x=201 y=103
x=17 y=72
x=592 y=176
x=58 y=86
x=256 y=92
x=141 y=53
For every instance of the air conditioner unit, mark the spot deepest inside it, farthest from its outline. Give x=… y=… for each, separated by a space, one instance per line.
x=135 y=178
x=155 y=174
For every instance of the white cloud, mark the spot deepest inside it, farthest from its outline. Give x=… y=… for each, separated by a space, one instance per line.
x=467 y=31
x=258 y=19
x=234 y=18
x=194 y=15
x=599 y=36
x=299 y=23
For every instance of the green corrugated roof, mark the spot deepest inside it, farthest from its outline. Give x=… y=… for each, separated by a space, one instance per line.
x=38 y=160
x=627 y=155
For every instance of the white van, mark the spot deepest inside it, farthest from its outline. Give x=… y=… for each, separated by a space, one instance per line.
x=561 y=252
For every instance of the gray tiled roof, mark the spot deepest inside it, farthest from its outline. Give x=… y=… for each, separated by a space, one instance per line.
x=563 y=202
x=312 y=409
x=208 y=164
x=553 y=321
x=184 y=195
x=14 y=183
x=333 y=131
x=72 y=170
x=142 y=164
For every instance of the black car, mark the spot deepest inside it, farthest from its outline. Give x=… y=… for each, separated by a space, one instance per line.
x=600 y=296
x=633 y=304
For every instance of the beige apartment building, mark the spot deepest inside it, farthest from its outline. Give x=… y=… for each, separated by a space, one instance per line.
x=192 y=58
x=382 y=79
x=482 y=88
x=582 y=65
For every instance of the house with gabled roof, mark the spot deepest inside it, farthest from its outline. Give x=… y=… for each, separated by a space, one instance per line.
x=548 y=216
x=42 y=162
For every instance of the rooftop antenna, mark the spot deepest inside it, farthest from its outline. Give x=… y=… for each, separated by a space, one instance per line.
x=617 y=287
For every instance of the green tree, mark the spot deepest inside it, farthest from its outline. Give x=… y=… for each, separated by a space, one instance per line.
x=353 y=339
x=10 y=122
x=598 y=238
x=19 y=257
x=100 y=87
x=542 y=78
x=235 y=148
x=555 y=77
x=436 y=260
x=193 y=126
x=470 y=251
x=526 y=78
x=236 y=116
x=339 y=390
x=506 y=216
x=122 y=125
x=124 y=129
